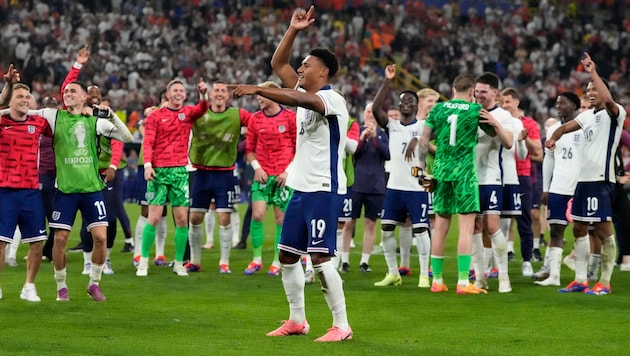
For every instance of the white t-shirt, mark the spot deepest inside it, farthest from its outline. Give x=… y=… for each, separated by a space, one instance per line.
x=508 y=158
x=400 y=177
x=320 y=147
x=601 y=142
x=561 y=167
x=488 y=168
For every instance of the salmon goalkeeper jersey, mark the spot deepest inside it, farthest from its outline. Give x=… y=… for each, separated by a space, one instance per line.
x=272 y=139
x=19 y=151
x=167 y=133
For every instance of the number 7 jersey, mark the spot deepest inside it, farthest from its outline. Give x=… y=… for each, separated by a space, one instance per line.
x=455 y=124
x=400 y=177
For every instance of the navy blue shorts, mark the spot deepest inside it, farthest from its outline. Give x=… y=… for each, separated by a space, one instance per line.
x=490 y=199
x=23 y=208
x=373 y=204
x=402 y=203
x=557 y=209
x=91 y=205
x=141 y=187
x=346 y=206
x=217 y=186
x=536 y=194
x=310 y=225
x=511 y=200
x=592 y=202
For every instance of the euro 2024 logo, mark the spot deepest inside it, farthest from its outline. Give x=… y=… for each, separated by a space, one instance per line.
x=77 y=135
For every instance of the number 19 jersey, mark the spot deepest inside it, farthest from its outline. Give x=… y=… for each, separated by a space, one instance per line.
x=455 y=124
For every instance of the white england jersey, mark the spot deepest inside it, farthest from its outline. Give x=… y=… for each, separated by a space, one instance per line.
x=320 y=146
x=601 y=135
x=508 y=158
x=488 y=168
x=400 y=177
x=561 y=167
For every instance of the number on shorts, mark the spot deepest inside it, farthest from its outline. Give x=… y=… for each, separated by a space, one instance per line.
x=493 y=197
x=517 y=200
x=318 y=228
x=100 y=207
x=347 y=205
x=592 y=204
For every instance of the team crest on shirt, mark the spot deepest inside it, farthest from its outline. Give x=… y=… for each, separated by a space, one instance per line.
x=31 y=129
x=181 y=116
x=598 y=119
x=282 y=128
x=56 y=215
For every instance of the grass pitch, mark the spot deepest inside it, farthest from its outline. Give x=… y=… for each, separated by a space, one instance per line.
x=212 y=314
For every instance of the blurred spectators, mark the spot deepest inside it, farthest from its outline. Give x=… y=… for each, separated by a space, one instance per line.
x=138 y=46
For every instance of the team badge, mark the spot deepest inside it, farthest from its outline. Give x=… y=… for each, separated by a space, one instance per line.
x=181 y=116
x=56 y=215
x=149 y=196
x=282 y=128
x=31 y=129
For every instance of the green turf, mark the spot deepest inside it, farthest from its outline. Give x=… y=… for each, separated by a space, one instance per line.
x=212 y=314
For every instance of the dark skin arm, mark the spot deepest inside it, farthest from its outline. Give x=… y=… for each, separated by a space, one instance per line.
x=280 y=62
x=377 y=107
x=598 y=84
x=289 y=97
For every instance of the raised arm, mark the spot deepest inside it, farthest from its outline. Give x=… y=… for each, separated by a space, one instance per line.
x=280 y=62
x=598 y=83
x=377 y=106
x=11 y=77
x=82 y=57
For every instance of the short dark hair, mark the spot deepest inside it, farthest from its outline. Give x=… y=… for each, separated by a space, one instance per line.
x=328 y=58
x=573 y=98
x=509 y=91
x=463 y=82
x=162 y=94
x=489 y=78
x=411 y=92
x=81 y=84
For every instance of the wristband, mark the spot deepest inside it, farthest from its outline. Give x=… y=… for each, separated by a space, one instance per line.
x=255 y=165
x=113 y=167
x=148 y=165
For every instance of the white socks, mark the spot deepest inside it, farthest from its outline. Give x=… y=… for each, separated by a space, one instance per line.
x=405 y=237
x=160 y=236
x=582 y=251
x=389 y=251
x=225 y=237
x=137 y=247
x=423 y=244
x=194 y=239
x=332 y=288
x=293 y=283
